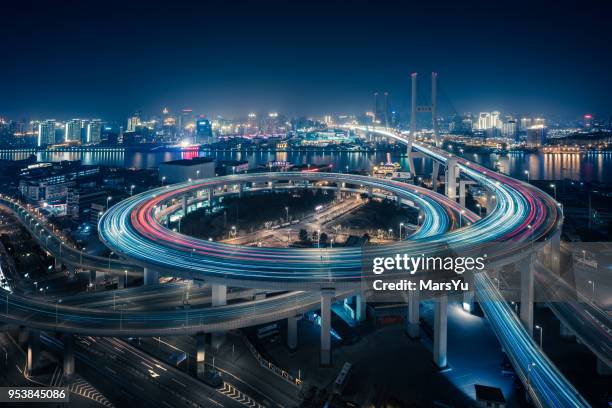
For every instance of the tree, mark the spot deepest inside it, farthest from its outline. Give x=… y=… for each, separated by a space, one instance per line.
x=323 y=238
x=303 y=235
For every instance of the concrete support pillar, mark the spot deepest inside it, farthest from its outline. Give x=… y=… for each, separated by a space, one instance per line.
x=555 y=254
x=490 y=204
x=527 y=294
x=434 y=175
x=468 y=301
x=292 y=333
x=68 y=357
x=33 y=356
x=326 y=301
x=398 y=201
x=360 y=307
x=151 y=277
x=200 y=354
x=413 y=329
x=370 y=192
x=240 y=190
x=219 y=298
x=451 y=174
x=121 y=281
x=92 y=276
x=463 y=190
x=603 y=369
x=440 y=331
x=184 y=204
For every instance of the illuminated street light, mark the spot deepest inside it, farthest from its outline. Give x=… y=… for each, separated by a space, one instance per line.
x=541 y=331
x=554 y=187
x=527 y=173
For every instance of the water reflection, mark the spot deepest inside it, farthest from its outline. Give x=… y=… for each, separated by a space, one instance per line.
x=549 y=166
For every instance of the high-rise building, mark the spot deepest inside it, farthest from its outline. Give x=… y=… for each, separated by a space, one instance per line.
x=204 y=133
x=484 y=121
x=46 y=133
x=133 y=123
x=72 y=130
x=184 y=120
x=94 y=131
x=509 y=129
x=536 y=136
x=525 y=123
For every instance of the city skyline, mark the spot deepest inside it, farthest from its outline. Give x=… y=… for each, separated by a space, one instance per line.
x=301 y=59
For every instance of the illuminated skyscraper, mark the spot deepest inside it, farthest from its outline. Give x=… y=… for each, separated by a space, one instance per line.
x=72 y=130
x=204 y=133
x=536 y=136
x=184 y=120
x=484 y=121
x=46 y=133
x=94 y=131
x=133 y=123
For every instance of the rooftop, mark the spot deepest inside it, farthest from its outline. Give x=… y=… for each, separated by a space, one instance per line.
x=190 y=162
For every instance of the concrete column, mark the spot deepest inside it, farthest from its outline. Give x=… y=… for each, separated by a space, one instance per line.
x=490 y=204
x=92 y=276
x=219 y=298
x=219 y=294
x=184 y=204
x=527 y=294
x=121 y=284
x=468 y=295
x=292 y=333
x=451 y=174
x=151 y=277
x=370 y=193
x=33 y=356
x=434 y=175
x=413 y=329
x=68 y=357
x=555 y=254
x=468 y=301
x=462 y=190
x=440 y=331
x=360 y=307
x=200 y=354
x=326 y=300
x=603 y=369
x=240 y=190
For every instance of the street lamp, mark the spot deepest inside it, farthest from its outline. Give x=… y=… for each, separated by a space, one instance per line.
x=400 y=230
x=529 y=367
x=107 y=200
x=592 y=283
x=287 y=210
x=554 y=187
x=163 y=180
x=461 y=217
x=125 y=278
x=479 y=209
x=319 y=238
x=419 y=218
x=541 y=331
x=527 y=173
x=132 y=189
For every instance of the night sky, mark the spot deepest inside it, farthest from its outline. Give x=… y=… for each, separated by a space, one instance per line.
x=109 y=59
